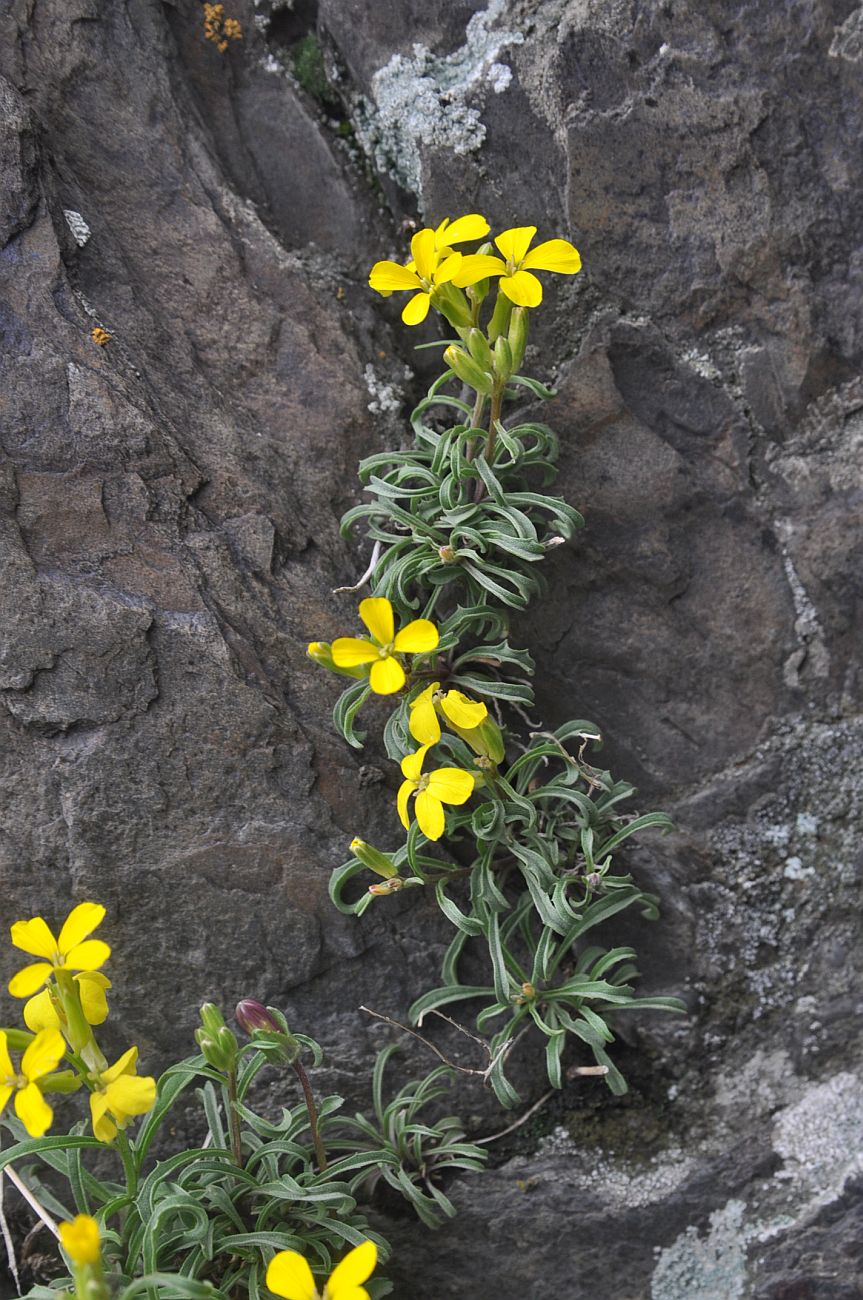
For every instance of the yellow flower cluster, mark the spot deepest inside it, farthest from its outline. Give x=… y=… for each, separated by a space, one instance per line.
x=65 y=991
x=219 y=29
x=435 y=269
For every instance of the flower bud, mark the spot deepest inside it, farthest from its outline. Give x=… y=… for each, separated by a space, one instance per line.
x=252 y=1015
x=499 y=323
x=218 y=1044
x=503 y=366
x=594 y=880
x=485 y=740
x=452 y=304
x=321 y=653
x=479 y=349
x=381 y=863
x=391 y=886
x=518 y=328
x=447 y=554
x=467 y=369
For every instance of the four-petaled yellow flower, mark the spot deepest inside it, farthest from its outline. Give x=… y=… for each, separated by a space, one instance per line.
x=433 y=264
x=121 y=1096
x=41 y=1057
x=71 y=951
x=462 y=712
x=432 y=790
x=517 y=282
x=40 y=1012
x=387 y=675
x=289 y=1275
x=80 y=1240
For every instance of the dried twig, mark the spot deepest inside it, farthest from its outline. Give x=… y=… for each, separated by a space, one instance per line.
x=35 y=1205
x=337 y=591
x=494 y=1058
x=518 y=1123
x=7 y=1241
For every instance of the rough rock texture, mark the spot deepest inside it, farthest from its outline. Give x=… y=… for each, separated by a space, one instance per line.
x=169 y=543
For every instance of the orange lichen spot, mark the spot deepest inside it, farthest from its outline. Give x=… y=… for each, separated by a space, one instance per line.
x=219 y=29
x=100 y=336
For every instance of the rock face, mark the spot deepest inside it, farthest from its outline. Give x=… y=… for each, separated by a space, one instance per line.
x=170 y=505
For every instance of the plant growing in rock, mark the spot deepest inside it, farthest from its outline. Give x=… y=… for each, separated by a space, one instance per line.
x=261 y=1205
x=461 y=522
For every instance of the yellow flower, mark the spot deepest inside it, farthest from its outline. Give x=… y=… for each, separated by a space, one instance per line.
x=522 y=288
x=432 y=790
x=40 y=1012
x=80 y=1239
x=433 y=263
x=121 y=1096
x=289 y=1275
x=72 y=951
x=456 y=707
x=40 y=1058
x=386 y=675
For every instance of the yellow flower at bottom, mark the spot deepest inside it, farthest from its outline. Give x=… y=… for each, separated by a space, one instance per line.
x=289 y=1275
x=41 y=1057
x=121 y=1096
x=80 y=1239
x=432 y=790
x=387 y=675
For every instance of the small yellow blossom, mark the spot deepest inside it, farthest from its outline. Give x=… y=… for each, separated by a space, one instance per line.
x=41 y=1057
x=289 y=1275
x=219 y=29
x=432 y=789
x=432 y=264
x=462 y=712
x=517 y=282
x=71 y=951
x=80 y=1240
x=387 y=674
x=121 y=1096
x=100 y=336
x=41 y=1011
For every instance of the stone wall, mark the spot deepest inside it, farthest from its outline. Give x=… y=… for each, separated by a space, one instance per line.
x=170 y=506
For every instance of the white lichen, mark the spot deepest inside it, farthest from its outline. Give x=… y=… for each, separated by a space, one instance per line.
x=705 y=1268
x=385 y=396
x=78 y=226
x=847 y=40
x=423 y=98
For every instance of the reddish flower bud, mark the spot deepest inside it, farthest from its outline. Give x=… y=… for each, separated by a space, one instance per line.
x=252 y=1016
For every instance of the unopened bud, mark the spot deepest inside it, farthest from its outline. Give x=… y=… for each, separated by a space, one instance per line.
x=485 y=740
x=218 y=1045
x=499 y=323
x=381 y=863
x=479 y=349
x=594 y=880
x=518 y=328
x=391 y=886
x=252 y=1015
x=321 y=653
x=467 y=369
x=447 y=554
x=452 y=304
x=503 y=366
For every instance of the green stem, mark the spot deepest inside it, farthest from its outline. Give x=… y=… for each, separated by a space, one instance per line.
x=313 y=1115
x=491 y=438
x=130 y=1168
x=234 y=1119
x=476 y=417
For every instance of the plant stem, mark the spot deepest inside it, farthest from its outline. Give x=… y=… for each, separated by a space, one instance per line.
x=478 y=407
x=130 y=1168
x=234 y=1119
x=494 y=416
x=313 y=1115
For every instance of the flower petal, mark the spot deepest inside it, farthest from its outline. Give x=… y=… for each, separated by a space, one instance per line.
x=418 y=637
x=348 y=651
x=39 y=1013
x=130 y=1095
x=104 y=1127
x=94 y=1004
x=471 y=226
x=465 y=713
x=387 y=676
x=5 y=1093
x=80 y=922
x=377 y=614
x=417 y=309
x=80 y=1239
x=34 y=937
x=423 y=253
x=356 y=1268
x=478 y=266
x=406 y=789
x=89 y=955
x=33 y=1110
x=448 y=268
x=43 y=1055
x=289 y=1275
x=554 y=255
x=6 y=1071
x=30 y=979
x=523 y=289
x=515 y=242
x=389 y=277
x=125 y=1064
x=423 y=722
x=429 y=814
x=451 y=784
x=412 y=764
